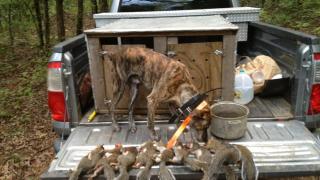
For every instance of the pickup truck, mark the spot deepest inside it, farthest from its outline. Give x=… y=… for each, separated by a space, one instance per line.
x=278 y=132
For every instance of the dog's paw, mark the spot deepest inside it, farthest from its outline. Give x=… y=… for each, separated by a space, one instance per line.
x=132 y=128
x=116 y=127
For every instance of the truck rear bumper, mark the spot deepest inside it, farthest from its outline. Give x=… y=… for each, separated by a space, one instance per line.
x=279 y=148
x=61 y=128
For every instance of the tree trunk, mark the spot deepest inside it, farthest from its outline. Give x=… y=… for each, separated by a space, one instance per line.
x=1 y=21
x=94 y=7
x=80 y=17
x=60 y=20
x=36 y=4
x=103 y=5
x=10 y=30
x=46 y=22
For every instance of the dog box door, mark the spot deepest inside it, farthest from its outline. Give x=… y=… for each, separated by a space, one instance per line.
x=140 y=106
x=204 y=65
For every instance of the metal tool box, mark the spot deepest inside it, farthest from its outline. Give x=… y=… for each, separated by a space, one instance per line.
x=239 y=16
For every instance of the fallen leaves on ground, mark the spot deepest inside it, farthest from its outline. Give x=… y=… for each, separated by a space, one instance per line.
x=26 y=136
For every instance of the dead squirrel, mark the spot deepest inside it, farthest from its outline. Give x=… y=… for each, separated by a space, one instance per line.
x=249 y=170
x=231 y=154
x=147 y=151
x=110 y=157
x=163 y=157
x=125 y=161
x=87 y=162
x=182 y=157
x=204 y=156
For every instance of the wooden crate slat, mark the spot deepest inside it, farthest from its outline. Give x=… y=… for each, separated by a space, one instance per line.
x=96 y=71
x=204 y=66
x=228 y=64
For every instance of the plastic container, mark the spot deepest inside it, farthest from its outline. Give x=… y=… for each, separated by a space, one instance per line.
x=243 y=87
x=229 y=120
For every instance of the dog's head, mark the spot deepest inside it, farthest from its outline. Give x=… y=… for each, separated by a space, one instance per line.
x=200 y=122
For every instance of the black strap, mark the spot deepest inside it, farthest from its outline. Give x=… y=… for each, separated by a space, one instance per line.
x=173 y=119
x=187 y=108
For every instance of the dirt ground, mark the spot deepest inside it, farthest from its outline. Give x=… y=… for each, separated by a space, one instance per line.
x=26 y=136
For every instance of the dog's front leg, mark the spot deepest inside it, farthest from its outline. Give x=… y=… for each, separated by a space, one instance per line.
x=152 y=106
x=134 y=86
x=117 y=94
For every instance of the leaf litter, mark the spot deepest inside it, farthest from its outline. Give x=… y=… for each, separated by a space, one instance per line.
x=26 y=135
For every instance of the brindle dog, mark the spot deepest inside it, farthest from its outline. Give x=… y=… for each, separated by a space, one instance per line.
x=168 y=80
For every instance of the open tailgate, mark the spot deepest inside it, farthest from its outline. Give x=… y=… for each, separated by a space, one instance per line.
x=279 y=148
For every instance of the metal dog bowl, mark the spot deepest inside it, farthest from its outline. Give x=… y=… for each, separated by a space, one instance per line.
x=229 y=120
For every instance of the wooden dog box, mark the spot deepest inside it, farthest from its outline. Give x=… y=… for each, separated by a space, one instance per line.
x=205 y=44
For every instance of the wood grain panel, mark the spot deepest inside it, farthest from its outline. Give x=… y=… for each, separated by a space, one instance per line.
x=160 y=44
x=279 y=107
x=203 y=64
x=96 y=71
x=228 y=65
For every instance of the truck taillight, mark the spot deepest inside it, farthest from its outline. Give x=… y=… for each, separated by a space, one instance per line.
x=314 y=103
x=56 y=101
x=56 y=105
x=316 y=56
x=54 y=77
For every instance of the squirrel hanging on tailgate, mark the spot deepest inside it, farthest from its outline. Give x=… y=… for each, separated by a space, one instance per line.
x=125 y=161
x=110 y=157
x=165 y=155
x=181 y=156
x=226 y=154
x=145 y=158
x=204 y=156
x=87 y=162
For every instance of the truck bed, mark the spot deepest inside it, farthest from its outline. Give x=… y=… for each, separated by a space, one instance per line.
x=269 y=108
x=261 y=109
x=282 y=148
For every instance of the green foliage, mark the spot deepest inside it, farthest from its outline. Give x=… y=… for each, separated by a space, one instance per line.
x=302 y=15
x=17 y=14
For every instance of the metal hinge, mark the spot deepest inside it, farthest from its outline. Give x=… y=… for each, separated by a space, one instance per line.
x=218 y=52
x=306 y=65
x=171 y=54
x=106 y=101
x=102 y=53
x=66 y=73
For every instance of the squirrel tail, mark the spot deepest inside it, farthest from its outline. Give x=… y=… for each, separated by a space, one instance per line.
x=249 y=170
x=222 y=157
x=144 y=174
x=123 y=175
x=75 y=174
x=165 y=173
x=108 y=172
